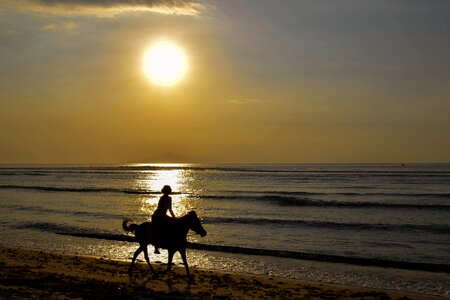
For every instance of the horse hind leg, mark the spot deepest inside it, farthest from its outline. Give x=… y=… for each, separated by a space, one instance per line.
x=183 y=256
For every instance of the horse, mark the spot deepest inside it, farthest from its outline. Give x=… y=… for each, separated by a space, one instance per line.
x=173 y=239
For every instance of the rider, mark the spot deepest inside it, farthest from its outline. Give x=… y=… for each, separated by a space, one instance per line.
x=160 y=217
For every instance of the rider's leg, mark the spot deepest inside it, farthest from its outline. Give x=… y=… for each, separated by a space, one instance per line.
x=157 y=233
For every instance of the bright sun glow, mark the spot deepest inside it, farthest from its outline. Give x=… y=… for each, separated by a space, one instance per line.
x=165 y=63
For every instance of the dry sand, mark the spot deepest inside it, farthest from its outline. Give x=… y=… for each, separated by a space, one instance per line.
x=27 y=274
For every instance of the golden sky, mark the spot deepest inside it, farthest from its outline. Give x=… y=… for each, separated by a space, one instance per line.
x=267 y=82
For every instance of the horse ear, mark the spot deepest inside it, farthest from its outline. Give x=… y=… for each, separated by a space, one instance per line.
x=192 y=213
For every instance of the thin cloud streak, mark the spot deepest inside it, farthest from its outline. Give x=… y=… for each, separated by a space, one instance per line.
x=243 y=101
x=63 y=26
x=102 y=8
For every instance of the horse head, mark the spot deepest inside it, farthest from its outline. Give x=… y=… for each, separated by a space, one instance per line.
x=196 y=224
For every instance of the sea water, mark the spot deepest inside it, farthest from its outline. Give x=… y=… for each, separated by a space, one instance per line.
x=342 y=223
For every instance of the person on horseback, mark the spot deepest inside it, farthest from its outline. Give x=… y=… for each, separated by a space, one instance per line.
x=160 y=219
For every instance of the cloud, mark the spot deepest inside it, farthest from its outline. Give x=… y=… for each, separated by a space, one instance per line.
x=105 y=7
x=243 y=101
x=63 y=26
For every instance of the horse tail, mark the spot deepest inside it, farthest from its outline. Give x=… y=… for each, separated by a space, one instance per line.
x=129 y=228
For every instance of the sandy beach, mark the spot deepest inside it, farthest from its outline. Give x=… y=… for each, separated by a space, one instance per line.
x=29 y=274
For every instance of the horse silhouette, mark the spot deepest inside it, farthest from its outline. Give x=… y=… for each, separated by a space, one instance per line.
x=173 y=238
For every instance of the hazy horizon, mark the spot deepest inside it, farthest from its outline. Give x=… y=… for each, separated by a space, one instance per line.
x=185 y=164
x=266 y=82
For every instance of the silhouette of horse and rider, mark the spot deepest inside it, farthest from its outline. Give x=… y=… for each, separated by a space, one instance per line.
x=164 y=232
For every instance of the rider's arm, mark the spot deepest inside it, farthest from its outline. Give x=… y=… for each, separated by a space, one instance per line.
x=170 y=208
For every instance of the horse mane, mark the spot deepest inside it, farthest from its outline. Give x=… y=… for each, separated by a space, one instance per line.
x=188 y=215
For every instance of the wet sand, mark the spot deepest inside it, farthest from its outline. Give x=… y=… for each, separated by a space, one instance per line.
x=29 y=274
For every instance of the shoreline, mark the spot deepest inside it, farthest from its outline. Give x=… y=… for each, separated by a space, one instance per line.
x=315 y=257
x=29 y=273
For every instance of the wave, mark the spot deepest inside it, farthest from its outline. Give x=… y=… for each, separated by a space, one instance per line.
x=287 y=201
x=93 y=233
x=303 y=193
x=439 y=229
x=380 y=169
x=2 y=173
x=79 y=190
x=38 y=209
x=279 y=198
x=244 y=195
x=73 y=231
x=430 y=267
x=309 y=202
x=232 y=195
x=328 y=225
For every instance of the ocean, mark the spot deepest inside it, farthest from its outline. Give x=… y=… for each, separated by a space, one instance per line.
x=340 y=223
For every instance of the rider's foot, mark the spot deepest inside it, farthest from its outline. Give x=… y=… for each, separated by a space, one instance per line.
x=157 y=251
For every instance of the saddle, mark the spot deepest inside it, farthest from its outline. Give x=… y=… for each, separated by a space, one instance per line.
x=162 y=232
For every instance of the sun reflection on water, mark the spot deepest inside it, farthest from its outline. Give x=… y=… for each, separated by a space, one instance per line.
x=174 y=175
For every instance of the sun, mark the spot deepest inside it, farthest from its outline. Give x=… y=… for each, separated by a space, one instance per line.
x=165 y=63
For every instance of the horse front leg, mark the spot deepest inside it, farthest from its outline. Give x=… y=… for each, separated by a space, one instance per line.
x=136 y=253
x=183 y=256
x=148 y=260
